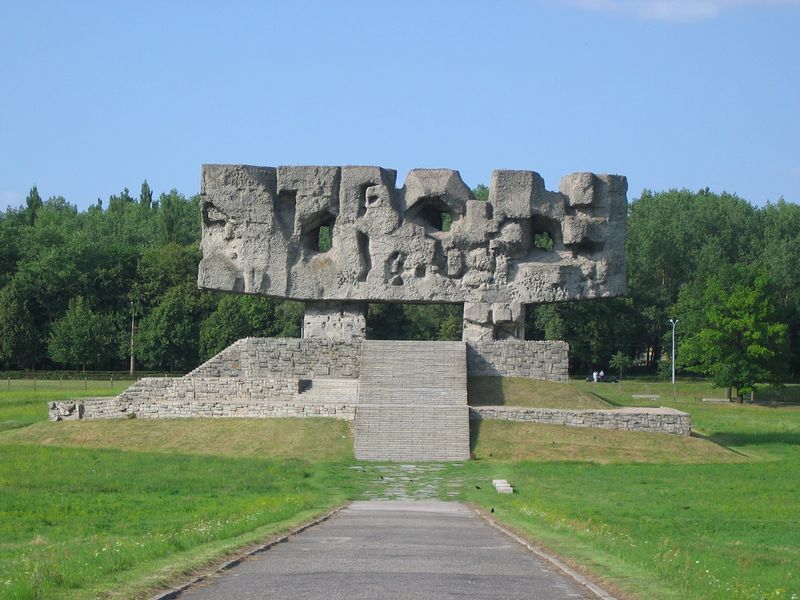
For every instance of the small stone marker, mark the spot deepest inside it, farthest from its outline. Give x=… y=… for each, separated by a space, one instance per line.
x=502 y=486
x=647 y=396
x=722 y=400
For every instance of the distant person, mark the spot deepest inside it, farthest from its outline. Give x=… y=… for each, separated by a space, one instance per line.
x=594 y=376
x=602 y=375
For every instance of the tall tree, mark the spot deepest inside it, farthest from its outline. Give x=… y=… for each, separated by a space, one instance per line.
x=145 y=196
x=744 y=340
x=81 y=337
x=234 y=318
x=19 y=336
x=33 y=203
x=169 y=337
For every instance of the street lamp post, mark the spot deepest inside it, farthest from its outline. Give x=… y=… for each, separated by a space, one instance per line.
x=674 y=322
x=133 y=317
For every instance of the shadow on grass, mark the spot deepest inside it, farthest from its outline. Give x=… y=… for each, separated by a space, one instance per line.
x=716 y=441
x=474 y=433
x=485 y=391
x=606 y=400
x=729 y=439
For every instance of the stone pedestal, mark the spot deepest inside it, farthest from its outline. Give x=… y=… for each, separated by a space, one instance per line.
x=484 y=321
x=342 y=321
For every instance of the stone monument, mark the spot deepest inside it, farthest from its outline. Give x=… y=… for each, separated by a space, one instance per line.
x=429 y=241
x=338 y=238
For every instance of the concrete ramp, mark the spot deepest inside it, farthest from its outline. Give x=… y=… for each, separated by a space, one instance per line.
x=412 y=402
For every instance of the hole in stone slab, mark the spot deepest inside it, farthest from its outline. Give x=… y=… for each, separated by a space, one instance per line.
x=320 y=238
x=212 y=215
x=363 y=251
x=285 y=207
x=400 y=321
x=363 y=201
x=324 y=238
x=431 y=212
x=543 y=241
x=303 y=385
x=590 y=247
x=393 y=267
x=543 y=232
x=447 y=221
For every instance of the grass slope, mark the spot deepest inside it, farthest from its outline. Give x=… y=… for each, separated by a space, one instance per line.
x=112 y=509
x=310 y=439
x=714 y=516
x=108 y=509
x=21 y=405
x=504 y=441
x=517 y=391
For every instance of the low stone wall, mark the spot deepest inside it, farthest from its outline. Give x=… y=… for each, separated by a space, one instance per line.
x=210 y=389
x=660 y=420
x=194 y=396
x=652 y=420
x=285 y=358
x=517 y=358
x=114 y=408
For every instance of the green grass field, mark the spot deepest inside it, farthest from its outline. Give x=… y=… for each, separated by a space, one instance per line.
x=21 y=404
x=516 y=391
x=714 y=516
x=113 y=509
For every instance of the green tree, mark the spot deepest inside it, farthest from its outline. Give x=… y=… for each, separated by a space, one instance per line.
x=145 y=196
x=169 y=337
x=594 y=329
x=119 y=203
x=180 y=218
x=161 y=268
x=234 y=318
x=481 y=192
x=619 y=360
x=19 y=338
x=744 y=341
x=81 y=337
x=288 y=318
x=33 y=203
x=678 y=237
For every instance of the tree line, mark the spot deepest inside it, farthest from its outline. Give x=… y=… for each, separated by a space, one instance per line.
x=70 y=282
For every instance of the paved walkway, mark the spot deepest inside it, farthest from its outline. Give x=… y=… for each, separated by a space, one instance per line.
x=396 y=549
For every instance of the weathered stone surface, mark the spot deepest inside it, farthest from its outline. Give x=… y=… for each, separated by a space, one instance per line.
x=335 y=320
x=261 y=235
x=653 y=420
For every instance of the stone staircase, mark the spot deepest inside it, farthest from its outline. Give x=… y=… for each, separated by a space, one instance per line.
x=412 y=402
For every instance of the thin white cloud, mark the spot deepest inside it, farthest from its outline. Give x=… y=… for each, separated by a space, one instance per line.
x=673 y=10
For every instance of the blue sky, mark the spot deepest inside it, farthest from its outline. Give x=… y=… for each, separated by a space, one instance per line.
x=97 y=96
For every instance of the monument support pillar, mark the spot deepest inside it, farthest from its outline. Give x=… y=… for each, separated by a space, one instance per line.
x=343 y=321
x=487 y=321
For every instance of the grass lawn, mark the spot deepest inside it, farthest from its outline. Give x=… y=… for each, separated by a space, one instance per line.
x=21 y=405
x=714 y=516
x=112 y=508
x=516 y=391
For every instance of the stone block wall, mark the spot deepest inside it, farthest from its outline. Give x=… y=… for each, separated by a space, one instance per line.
x=659 y=420
x=113 y=408
x=207 y=389
x=517 y=358
x=311 y=358
x=165 y=398
x=296 y=358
